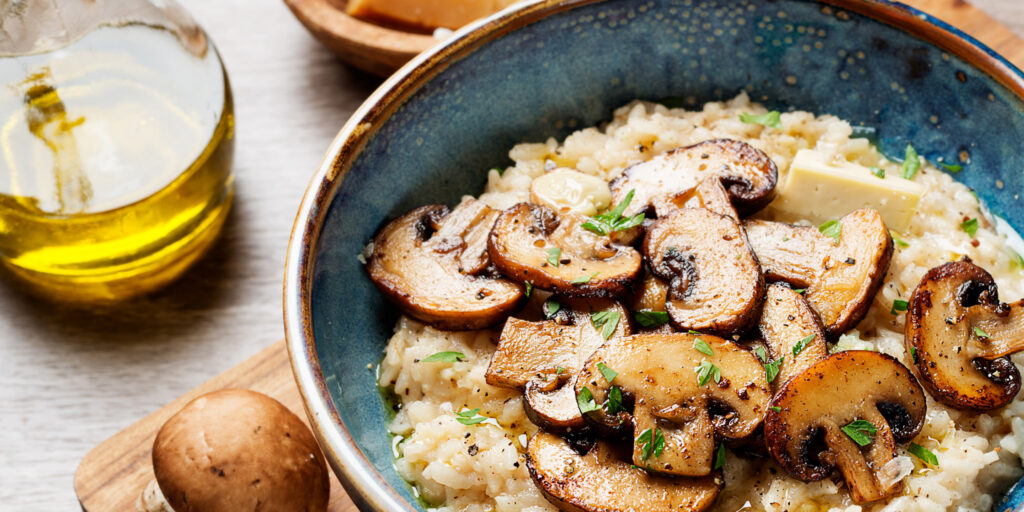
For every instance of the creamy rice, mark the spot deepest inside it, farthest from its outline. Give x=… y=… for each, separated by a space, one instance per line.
x=483 y=468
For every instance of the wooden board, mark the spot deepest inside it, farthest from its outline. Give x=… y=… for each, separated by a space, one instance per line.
x=112 y=475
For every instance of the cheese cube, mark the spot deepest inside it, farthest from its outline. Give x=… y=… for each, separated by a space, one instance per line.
x=425 y=14
x=820 y=191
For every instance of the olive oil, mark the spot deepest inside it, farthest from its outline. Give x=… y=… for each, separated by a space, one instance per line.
x=115 y=161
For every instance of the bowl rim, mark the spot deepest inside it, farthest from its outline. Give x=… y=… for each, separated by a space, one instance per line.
x=364 y=484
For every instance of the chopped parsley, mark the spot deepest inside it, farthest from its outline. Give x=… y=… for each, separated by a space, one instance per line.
x=585 y=400
x=832 y=229
x=981 y=334
x=650 y=318
x=923 y=453
x=771 y=369
x=499 y=170
x=951 y=167
x=719 y=457
x=897 y=240
x=608 y=374
x=551 y=307
x=861 y=431
x=559 y=370
x=970 y=226
x=911 y=163
x=651 y=443
x=899 y=306
x=553 y=254
x=775 y=408
x=529 y=289
x=444 y=357
x=584 y=279
x=878 y=172
x=703 y=347
x=761 y=354
x=913 y=354
x=800 y=290
x=606 y=322
x=469 y=417
x=705 y=371
x=613 y=220
x=771 y=119
x=802 y=344
x=614 y=403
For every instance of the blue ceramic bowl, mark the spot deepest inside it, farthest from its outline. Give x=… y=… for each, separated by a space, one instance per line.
x=429 y=134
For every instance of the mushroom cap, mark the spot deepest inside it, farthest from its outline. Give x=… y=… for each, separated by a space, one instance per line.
x=805 y=435
x=588 y=264
x=667 y=181
x=958 y=367
x=424 y=262
x=657 y=373
x=715 y=280
x=235 y=450
x=841 y=279
x=786 y=320
x=530 y=354
x=603 y=480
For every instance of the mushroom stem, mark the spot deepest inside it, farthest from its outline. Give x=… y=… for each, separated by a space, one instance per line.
x=861 y=466
x=994 y=336
x=685 y=430
x=709 y=194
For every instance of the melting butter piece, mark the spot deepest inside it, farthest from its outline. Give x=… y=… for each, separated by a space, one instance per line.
x=820 y=191
x=569 y=188
x=428 y=14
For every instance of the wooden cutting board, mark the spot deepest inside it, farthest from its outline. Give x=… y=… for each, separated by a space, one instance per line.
x=114 y=473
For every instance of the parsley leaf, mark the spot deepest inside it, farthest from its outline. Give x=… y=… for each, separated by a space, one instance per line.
x=897 y=240
x=608 y=373
x=862 y=432
x=981 y=334
x=606 y=321
x=970 y=226
x=559 y=370
x=499 y=170
x=832 y=229
x=913 y=354
x=585 y=400
x=651 y=442
x=614 y=403
x=800 y=290
x=771 y=119
x=469 y=417
x=529 y=289
x=703 y=347
x=705 y=371
x=551 y=307
x=923 y=453
x=771 y=369
x=650 y=318
x=584 y=279
x=951 y=167
x=761 y=354
x=878 y=172
x=911 y=163
x=899 y=306
x=553 y=254
x=444 y=357
x=613 y=220
x=775 y=408
x=719 y=457
x=802 y=344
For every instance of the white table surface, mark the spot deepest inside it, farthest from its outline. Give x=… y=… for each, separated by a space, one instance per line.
x=69 y=378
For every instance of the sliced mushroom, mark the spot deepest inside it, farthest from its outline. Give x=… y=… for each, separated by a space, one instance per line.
x=650 y=297
x=545 y=357
x=670 y=379
x=960 y=335
x=791 y=331
x=715 y=281
x=533 y=244
x=841 y=277
x=804 y=433
x=667 y=181
x=603 y=480
x=430 y=263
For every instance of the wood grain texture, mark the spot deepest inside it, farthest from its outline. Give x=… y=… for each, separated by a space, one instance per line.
x=71 y=378
x=114 y=473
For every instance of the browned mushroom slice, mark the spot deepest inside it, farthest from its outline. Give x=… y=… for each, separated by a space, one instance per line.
x=792 y=332
x=648 y=305
x=425 y=263
x=840 y=277
x=685 y=389
x=533 y=244
x=544 y=357
x=807 y=429
x=666 y=182
x=960 y=335
x=715 y=281
x=710 y=194
x=603 y=480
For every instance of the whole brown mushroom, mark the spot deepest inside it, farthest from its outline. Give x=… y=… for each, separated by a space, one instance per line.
x=235 y=450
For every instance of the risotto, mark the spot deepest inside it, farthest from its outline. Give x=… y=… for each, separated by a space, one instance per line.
x=482 y=467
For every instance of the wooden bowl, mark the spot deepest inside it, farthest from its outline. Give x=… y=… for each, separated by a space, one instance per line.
x=367 y=46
